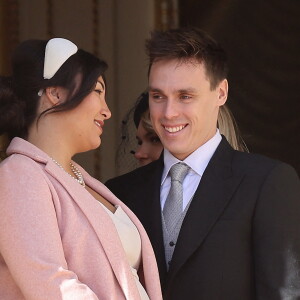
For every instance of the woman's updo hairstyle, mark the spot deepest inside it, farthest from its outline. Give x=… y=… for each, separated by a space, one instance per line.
x=20 y=93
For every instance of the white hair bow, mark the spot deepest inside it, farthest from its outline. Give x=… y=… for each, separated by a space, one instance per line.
x=57 y=51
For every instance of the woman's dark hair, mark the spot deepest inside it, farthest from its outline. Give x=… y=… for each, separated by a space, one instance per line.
x=140 y=107
x=19 y=93
x=124 y=158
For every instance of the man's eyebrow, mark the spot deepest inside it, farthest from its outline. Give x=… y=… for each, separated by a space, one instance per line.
x=151 y=89
x=187 y=90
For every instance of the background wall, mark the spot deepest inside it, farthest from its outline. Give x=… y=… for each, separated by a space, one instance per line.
x=262 y=39
x=114 y=29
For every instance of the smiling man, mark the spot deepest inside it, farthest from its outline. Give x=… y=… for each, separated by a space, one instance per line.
x=223 y=224
x=184 y=108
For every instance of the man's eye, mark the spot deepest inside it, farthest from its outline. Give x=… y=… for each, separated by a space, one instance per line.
x=156 y=96
x=184 y=97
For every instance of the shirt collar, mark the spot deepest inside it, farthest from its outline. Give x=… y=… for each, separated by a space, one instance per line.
x=197 y=161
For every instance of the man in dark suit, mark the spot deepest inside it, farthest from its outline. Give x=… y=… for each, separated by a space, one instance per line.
x=237 y=236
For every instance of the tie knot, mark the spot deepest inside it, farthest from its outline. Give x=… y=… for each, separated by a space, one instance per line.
x=179 y=171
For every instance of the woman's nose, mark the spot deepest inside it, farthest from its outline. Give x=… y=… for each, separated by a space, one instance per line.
x=140 y=153
x=105 y=111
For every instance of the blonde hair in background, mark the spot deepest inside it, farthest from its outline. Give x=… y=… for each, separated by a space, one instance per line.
x=228 y=127
x=146 y=121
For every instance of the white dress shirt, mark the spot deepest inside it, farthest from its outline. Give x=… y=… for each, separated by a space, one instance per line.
x=197 y=161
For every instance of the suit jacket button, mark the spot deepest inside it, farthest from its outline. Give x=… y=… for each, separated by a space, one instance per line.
x=172 y=244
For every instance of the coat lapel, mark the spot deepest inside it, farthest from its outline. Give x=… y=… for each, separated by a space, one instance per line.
x=97 y=216
x=148 y=257
x=214 y=192
x=99 y=220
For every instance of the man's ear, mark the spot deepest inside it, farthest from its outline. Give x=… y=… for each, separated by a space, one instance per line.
x=222 y=89
x=54 y=94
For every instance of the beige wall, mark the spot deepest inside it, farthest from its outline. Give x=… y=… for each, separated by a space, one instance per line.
x=122 y=28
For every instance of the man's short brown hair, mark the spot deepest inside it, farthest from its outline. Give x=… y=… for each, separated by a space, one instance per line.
x=189 y=45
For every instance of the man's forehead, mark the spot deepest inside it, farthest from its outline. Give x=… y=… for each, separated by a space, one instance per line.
x=178 y=61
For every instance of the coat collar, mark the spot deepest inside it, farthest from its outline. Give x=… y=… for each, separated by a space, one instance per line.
x=109 y=237
x=21 y=146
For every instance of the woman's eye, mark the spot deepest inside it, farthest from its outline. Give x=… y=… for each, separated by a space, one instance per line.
x=99 y=91
x=155 y=140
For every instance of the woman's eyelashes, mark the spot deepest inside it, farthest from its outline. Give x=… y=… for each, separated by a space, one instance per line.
x=154 y=139
x=99 y=91
x=99 y=88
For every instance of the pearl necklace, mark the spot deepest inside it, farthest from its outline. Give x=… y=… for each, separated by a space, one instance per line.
x=78 y=176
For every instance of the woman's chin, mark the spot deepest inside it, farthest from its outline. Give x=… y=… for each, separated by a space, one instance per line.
x=92 y=146
x=96 y=144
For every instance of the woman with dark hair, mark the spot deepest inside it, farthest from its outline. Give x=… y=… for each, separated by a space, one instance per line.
x=149 y=146
x=140 y=144
x=63 y=234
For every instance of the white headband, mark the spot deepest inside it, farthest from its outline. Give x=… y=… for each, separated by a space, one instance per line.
x=57 y=51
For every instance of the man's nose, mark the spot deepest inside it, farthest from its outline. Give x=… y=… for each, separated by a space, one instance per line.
x=171 y=109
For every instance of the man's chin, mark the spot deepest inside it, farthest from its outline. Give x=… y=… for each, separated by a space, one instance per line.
x=178 y=152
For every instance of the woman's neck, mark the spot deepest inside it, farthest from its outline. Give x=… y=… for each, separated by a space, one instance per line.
x=53 y=144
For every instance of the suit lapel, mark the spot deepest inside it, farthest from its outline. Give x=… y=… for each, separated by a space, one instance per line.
x=214 y=192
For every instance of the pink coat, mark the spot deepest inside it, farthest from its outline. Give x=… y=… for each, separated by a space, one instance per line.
x=57 y=241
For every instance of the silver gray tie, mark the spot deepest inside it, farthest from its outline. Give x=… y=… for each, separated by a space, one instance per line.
x=173 y=206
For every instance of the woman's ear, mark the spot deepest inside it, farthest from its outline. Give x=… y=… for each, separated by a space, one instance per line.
x=55 y=95
x=222 y=91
